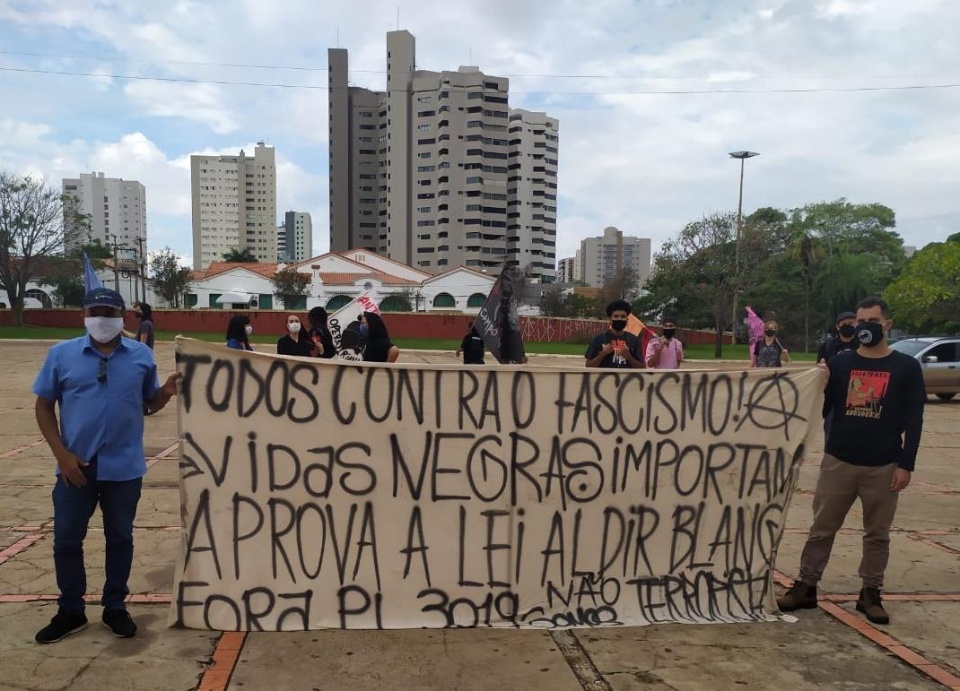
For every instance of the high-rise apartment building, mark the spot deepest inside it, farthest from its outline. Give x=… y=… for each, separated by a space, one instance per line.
x=566 y=270
x=532 y=193
x=602 y=258
x=282 y=244
x=112 y=209
x=437 y=171
x=295 y=237
x=234 y=205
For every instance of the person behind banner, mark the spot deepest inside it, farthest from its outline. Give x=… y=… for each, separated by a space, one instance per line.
x=320 y=333
x=238 y=332
x=844 y=340
x=833 y=346
x=296 y=341
x=877 y=397
x=144 y=333
x=471 y=346
x=615 y=348
x=666 y=352
x=769 y=351
x=379 y=347
x=101 y=383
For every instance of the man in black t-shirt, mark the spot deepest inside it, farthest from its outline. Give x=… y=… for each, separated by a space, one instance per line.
x=616 y=348
x=876 y=397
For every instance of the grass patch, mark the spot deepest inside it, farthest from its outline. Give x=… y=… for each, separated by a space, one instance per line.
x=692 y=352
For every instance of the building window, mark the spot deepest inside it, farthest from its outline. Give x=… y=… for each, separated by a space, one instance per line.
x=444 y=301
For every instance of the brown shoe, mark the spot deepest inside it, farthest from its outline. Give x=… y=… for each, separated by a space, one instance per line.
x=799 y=596
x=871 y=605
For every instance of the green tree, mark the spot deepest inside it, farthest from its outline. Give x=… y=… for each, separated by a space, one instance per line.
x=290 y=285
x=65 y=276
x=554 y=302
x=620 y=286
x=238 y=256
x=826 y=257
x=31 y=230
x=694 y=275
x=170 y=280
x=926 y=296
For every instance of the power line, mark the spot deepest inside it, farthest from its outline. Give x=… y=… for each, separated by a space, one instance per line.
x=304 y=68
x=639 y=92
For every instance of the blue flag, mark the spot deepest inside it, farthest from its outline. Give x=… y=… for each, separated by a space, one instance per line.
x=90 y=280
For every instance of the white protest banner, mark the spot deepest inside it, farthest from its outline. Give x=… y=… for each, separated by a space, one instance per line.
x=322 y=494
x=344 y=327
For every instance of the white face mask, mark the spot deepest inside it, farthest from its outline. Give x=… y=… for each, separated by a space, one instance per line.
x=249 y=329
x=293 y=327
x=103 y=329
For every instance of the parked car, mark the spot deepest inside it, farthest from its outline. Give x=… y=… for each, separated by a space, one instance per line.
x=939 y=357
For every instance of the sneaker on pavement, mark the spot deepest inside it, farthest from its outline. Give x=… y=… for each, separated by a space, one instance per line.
x=119 y=622
x=61 y=626
x=799 y=596
x=871 y=604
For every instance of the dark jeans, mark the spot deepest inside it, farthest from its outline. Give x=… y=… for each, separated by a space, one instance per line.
x=72 y=509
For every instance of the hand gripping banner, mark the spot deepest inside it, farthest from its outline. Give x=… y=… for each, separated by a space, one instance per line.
x=325 y=494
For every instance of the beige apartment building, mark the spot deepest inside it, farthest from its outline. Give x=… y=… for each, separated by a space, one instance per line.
x=600 y=259
x=114 y=209
x=437 y=171
x=234 y=205
x=566 y=270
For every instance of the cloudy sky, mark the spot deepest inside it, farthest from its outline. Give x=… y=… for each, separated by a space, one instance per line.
x=842 y=98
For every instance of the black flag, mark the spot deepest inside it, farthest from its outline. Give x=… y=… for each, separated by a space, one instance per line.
x=499 y=323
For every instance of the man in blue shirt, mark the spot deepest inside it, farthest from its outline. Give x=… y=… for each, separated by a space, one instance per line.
x=102 y=382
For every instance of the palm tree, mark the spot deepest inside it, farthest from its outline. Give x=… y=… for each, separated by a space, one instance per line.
x=238 y=256
x=804 y=249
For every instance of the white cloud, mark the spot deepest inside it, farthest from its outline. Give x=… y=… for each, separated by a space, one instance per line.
x=646 y=163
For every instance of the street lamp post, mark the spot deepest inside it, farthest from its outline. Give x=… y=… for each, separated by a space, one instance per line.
x=742 y=156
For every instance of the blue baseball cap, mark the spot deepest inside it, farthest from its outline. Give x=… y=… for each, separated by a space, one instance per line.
x=103 y=297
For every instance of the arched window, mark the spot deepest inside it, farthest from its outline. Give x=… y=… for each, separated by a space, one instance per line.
x=337 y=302
x=476 y=300
x=396 y=303
x=39 y=296
x=444 y=301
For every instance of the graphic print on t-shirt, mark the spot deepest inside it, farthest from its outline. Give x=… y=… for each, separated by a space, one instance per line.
x=618 y=345
x=865 y=393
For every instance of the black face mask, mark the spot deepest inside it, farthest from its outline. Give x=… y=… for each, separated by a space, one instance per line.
x=669 y=333
x=618 y=324
x=770 y=333
x=847 y=330
x=869 y=334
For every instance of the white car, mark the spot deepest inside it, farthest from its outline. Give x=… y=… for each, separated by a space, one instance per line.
x=940 y=359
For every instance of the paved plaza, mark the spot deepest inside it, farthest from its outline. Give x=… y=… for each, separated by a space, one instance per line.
x=829 y=648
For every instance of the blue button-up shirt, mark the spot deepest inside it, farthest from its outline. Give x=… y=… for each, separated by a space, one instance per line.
x=101 y=405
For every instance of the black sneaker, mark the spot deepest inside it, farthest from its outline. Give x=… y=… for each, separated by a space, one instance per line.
x=119 y=622
x=800 y=596
x=61 y=626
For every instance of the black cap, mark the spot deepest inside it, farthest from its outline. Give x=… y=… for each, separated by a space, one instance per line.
x=845 y=315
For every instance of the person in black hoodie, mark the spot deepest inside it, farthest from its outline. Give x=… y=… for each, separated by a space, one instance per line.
x=471 y=346
x=320 y=334
x=296 y=341
x=379 y=347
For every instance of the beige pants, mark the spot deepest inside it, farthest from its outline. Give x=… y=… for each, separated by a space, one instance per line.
x=838 y=486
